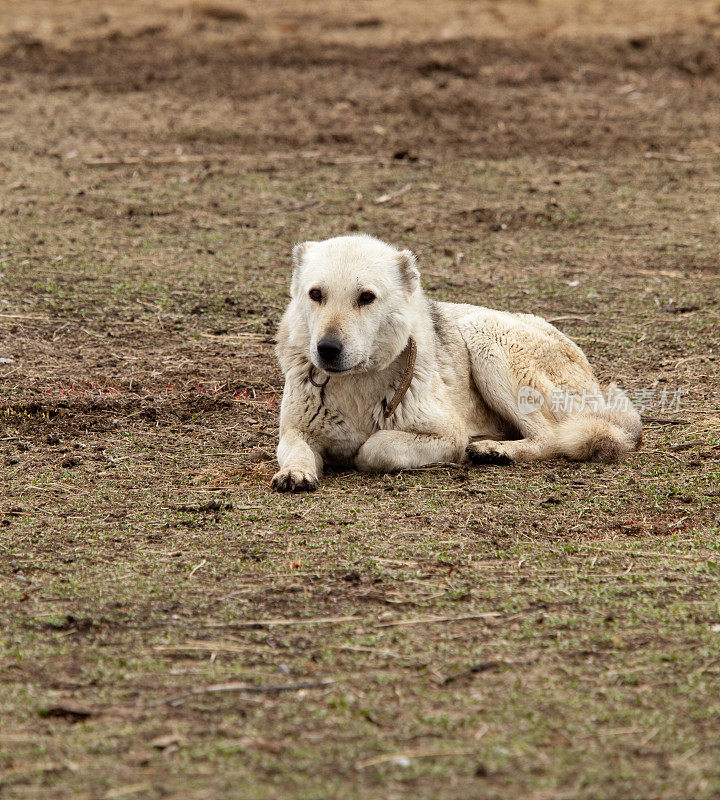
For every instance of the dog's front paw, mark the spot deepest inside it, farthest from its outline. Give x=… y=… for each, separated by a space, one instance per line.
x=294 y=480
x=488 y=452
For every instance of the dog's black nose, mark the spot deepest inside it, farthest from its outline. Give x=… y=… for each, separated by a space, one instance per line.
x=329 y=349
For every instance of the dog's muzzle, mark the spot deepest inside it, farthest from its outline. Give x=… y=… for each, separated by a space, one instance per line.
x=329 y=353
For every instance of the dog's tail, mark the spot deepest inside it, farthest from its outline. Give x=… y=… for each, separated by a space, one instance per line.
x=607 y=434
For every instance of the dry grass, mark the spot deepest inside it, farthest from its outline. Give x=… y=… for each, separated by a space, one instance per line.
x=539 y=632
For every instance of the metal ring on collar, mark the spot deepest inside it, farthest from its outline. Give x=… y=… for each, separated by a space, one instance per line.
x=319 y=385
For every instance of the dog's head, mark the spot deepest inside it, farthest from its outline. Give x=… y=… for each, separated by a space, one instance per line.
x=355 y=297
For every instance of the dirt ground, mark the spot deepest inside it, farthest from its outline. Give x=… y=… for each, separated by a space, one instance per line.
x=169 y=627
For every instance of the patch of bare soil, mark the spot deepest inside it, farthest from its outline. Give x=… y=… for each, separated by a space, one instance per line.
x=489 y=98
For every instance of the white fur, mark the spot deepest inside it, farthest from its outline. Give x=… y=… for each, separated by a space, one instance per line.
x=471 y=364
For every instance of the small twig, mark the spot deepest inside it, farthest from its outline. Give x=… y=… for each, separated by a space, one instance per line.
x=126 y=791
x=56 y=487
x=192 y=158
x=483 y=666
x=24 y=770
x=665 y=420
x=687 y=754
x=688 y=445
x=205 y=647
x=271 y=623
x=249 y=688
x=220 y=337
x=132 y=160
x=360 y=649
x=642 y=553
x=568 y=316
x=433 y=620
x=384 y=198
x=282 y=209
x=196 y=568
x=659 y=453
x=25 y=316
x=667 y=157
x=410 y=754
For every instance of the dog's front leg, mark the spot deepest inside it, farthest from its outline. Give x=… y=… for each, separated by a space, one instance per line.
x=300 y=464
x=392 y=451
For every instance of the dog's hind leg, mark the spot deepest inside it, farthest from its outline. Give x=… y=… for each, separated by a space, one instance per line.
x=519 y=367
x=578 y=437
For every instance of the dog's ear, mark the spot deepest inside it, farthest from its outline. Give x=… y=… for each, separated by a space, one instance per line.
x=298 y=254
x=408 y=270
x=299 y=251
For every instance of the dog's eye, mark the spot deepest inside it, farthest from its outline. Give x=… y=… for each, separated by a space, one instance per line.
x=366 y=298
x=315 y=294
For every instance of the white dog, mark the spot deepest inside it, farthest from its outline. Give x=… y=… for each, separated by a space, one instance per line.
x=378 y=375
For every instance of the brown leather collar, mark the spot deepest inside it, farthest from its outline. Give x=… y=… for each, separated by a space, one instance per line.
x=388 y=408
x=391 y=407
